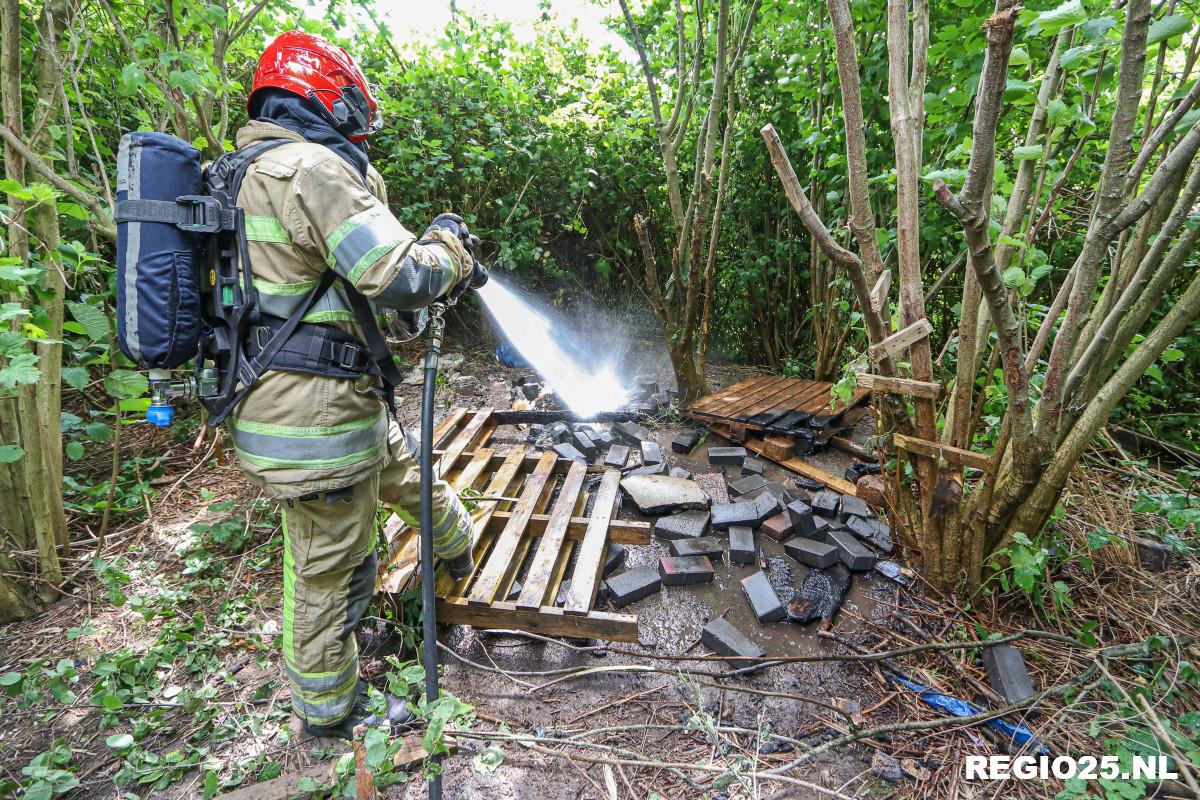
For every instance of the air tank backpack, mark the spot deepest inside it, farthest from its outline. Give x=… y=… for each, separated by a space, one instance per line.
x=185 y=290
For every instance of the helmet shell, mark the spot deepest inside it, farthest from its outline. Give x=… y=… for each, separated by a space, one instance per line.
x=317 y=69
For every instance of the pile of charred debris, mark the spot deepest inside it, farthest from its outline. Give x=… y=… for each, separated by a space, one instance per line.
x=722 y=515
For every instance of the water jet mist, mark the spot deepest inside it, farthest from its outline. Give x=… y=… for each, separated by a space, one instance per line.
x=583 y=367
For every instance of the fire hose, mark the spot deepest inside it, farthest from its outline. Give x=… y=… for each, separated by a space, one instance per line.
x=433 y=354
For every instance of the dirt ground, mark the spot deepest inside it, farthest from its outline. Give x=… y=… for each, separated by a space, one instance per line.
x=247 y=727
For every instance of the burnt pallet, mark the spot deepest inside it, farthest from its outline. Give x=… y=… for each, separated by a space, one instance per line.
x=774 y=404
x=539 y=536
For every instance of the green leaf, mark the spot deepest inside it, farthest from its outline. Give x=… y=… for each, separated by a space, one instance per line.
x=132 y=77
x=1030 y=152
x=1058 y=112
x=1014 y=276
x=1019 y=57
x=112 y=703
x=10 y=453
x=1166 y=28
x=12 y=311
x=10 y=678
x=1049 y=23
x=75 y=377
x=1172 y=354
x=126 y=384
x=1096 y=29
x=21 y=369
x=74 y=451
x=375 y=741
x=1074 y=57
x=119 y=741
x=94 y=323
x=1187 y=121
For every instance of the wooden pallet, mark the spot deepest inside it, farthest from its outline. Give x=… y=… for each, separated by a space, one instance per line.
x=774 y=404
x=531 y=536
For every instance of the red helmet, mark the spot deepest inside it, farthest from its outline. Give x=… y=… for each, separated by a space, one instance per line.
x=321 y=71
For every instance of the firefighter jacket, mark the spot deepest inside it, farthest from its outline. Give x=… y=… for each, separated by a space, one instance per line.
x=307 y=210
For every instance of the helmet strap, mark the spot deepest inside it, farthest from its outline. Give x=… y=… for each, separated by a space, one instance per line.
x=350 y=115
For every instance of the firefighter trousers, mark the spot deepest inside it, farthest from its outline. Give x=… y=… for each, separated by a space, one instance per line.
x=329 y=574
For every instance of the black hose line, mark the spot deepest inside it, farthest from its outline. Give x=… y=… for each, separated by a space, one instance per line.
x=428 y=599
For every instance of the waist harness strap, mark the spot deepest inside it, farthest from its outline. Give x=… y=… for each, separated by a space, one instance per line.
x=312 y=349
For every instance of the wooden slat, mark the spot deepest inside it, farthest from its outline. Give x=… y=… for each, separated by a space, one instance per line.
x=484 y=590
x=462 y=441
x=952 y=455
x=732 y=401
x=497 y=487
x=896 y=345
x=805 y=400
x=442 y=431
x=547 y=620
x=775 y=387
x=879 y=291
x=590 y=560
x=835 y=482
x=533 y=591
x=504 y=589
x=788 y=396
x=723 y=395
x=622 y=531
x=407 y=553
x=825 y=417
x=901 y=386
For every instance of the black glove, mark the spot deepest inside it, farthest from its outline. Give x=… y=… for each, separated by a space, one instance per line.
x=477 y=278
x=454 y=225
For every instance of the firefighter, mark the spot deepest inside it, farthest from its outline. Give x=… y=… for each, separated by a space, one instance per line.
x=326 y=447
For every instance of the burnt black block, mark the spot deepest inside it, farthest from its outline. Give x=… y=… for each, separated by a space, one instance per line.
x=684 y=525
x=1007 y=673
x=685 y=570
x=855 y=507
x=826 y=503
x=741 y=544
x=802 y=518
x=633 y=585
x=726 y=456
x=651 y=453
x=811 y=553
x=617 y=456
x=852 y=552
x=630 y=433
x=584 y=444
x=686 y=440
x=752 y=466
x=569 y=451
x=724 y=639
x=740 y=513
x=613 y=558
x=763 y=600
x=709 y=546
x=746 y=485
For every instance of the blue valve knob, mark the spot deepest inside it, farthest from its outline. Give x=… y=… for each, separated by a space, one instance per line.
x=160 y=415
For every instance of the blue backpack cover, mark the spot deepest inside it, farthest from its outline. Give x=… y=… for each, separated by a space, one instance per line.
x=158 y=263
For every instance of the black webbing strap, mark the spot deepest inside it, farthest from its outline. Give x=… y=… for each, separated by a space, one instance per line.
x=312 y=349
x=197 y=213
x=381 y=354
x=251 y=369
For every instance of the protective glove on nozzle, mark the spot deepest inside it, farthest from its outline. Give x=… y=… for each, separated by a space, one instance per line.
x=455 y=226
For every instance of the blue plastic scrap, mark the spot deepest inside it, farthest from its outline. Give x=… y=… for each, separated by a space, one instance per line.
x=509 y=356
x=1018 y=734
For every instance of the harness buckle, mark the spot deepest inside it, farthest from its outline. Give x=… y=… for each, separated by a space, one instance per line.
x=204 y=212
x=348 y=356
x=262 y=335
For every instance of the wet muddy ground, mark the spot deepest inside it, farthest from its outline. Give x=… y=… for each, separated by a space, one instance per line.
x=669 y=624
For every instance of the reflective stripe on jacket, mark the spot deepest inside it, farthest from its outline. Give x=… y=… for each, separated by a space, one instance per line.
x=307 y=211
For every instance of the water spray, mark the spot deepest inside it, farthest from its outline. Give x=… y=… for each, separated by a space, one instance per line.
x=579 y=365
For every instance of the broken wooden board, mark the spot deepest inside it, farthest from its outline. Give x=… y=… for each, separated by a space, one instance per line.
x=902 y=386
x=773 y=403
x=896 y=346
x=951 y=455
x=532 y=535
x=797 y=465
